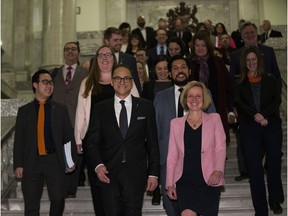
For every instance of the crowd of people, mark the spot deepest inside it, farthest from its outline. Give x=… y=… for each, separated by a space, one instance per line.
x=152 y=111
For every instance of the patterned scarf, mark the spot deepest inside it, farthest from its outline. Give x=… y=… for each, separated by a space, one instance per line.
x=204 y=69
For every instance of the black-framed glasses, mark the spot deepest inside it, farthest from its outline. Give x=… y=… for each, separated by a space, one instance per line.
x=125 y=79
x=46 y=82
x=104 y=55
x=67 y=49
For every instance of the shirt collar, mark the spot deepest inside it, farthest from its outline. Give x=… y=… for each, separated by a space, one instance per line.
x=128 y=99
x=73 y=66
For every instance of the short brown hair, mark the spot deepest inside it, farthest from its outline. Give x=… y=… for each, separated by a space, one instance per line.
x=205 y=94
x=205 y=36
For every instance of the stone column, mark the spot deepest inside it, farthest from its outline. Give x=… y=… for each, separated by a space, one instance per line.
x=249 y=10
x=59 y=26
x=118 y=9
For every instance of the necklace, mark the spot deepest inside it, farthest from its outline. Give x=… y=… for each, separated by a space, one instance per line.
x=194 y=123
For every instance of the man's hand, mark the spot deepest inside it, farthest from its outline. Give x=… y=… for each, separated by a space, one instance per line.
x=19 y=172
x=101 y=174
x=152 y=183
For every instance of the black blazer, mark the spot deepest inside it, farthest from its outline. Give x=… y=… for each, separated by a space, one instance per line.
x=270 y=100
x=25 y=143
x=270 y=62
x=273 y=33
x=106 y=144
x=150 y=35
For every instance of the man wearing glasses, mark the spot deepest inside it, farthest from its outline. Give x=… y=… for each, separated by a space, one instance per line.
x=68 y=79
x=123 y=147
x=42 y=127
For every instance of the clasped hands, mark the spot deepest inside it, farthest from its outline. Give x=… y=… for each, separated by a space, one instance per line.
x=259 y=118
x=102 y=172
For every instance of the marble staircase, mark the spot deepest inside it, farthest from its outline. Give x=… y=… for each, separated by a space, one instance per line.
x=235 y=197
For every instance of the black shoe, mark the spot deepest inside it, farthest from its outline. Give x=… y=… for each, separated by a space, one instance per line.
x=156 y=199
x=81 y=184
x=276 y=208
x=241 y=177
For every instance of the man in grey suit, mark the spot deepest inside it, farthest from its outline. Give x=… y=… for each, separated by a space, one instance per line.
x=38 y=158
x=166 y=108
x=68 y=79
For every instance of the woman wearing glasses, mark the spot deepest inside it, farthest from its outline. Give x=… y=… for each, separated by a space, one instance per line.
x=95 y=88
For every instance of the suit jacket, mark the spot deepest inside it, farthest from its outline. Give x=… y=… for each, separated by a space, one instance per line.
x=83 y=110
x=165 y=109
x=270 y=99
x=106 y=144
x=273 y=33
x=68 y=95
x=129 y=60
x=150 y=35
x=213 y=148
x=25 y=143
x=270 y=63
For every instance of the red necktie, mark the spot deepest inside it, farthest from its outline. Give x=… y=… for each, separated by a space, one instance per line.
x=40 y=127
x=68 y=76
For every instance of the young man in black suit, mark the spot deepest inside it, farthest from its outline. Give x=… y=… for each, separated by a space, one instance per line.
x=39 y=158
x=113 y=38
x=123 y=147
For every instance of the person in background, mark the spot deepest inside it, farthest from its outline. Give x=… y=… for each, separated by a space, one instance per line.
x=123 y=147
x=183 y=34
x=125 y=41
x=42 y=128
x=220 y=29
x=125 y=26
x=142 y=56
x=257 y=99
x=268 y=31
x=196 y=172
x=142 y=73
x=86 y=64
x=68 y=79
x=133 y=45
x=145 y=33
x=236 y=35
x=209 y=26
x=226 y=48
x=175 y=46
x=94 y=89
x=113 y=38
x=211 y=70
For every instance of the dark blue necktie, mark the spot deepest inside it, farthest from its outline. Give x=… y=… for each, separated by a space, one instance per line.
x=161 y=50
x=123 y=121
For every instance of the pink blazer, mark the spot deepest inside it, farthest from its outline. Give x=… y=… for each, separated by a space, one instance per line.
x=213 y=150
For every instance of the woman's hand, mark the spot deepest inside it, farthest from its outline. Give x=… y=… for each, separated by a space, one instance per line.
x=171 y=192
x=258 y=117
x=215 y=178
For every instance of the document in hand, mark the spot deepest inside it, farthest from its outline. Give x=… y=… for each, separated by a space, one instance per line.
x=69 y=163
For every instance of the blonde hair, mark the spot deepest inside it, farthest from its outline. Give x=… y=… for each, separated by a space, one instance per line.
x=206 y=95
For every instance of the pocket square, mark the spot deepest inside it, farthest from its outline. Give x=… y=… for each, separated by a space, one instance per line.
x=141 y=117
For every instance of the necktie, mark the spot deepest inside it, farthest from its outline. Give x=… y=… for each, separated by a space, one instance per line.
x=40 y=128
x=266 y=35
x=161 y=50
x=180 y=108
x=123 y=124
x=68 y=76
x=123 y=121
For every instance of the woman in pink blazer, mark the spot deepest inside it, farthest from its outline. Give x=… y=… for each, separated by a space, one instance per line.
x=196 y=155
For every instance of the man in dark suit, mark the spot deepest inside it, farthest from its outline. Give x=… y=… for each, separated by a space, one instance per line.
x=113 y=38
x=268 y=31
x=38 y=150
x=166 y=108
x=185 y=35
x=236 y=35
x=249 y=36
x=123 y=147
x=145 y=33
x=160 y=48
x=68 y=79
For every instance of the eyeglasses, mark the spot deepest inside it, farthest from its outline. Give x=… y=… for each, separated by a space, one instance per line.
x=71 y=49
x=104 y=55
x=125 y=79
x=46 y=82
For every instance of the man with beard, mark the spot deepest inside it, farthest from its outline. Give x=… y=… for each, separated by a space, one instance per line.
x=145 y=33
x=167 y=107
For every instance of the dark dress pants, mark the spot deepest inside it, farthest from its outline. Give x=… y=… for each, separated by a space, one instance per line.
x=46 y=169
x=123 y=197
x=255 y=139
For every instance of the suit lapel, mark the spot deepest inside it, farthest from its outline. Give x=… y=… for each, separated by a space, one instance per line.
x=111 y=116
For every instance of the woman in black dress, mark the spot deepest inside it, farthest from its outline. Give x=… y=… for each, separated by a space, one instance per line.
x=196 y=155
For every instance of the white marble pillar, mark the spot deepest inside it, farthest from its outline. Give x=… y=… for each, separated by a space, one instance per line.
x=249 y=10
x=115 y=12
x=59 y=27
